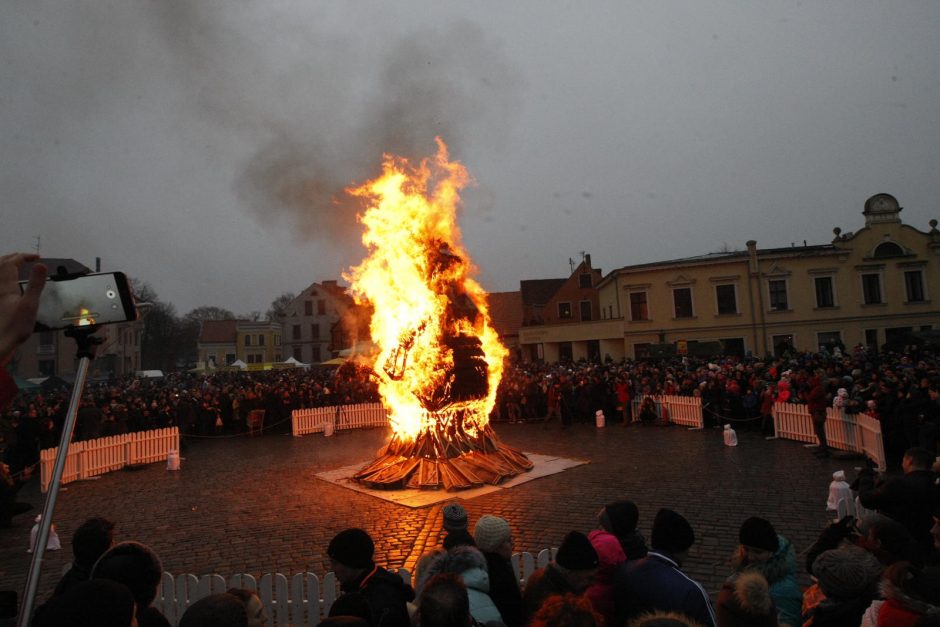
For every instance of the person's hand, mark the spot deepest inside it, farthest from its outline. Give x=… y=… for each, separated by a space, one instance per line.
x=18 y=310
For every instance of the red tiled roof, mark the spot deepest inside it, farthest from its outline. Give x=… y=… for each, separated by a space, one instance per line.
x=506 y=312
x=220 y=331
x=539 y=291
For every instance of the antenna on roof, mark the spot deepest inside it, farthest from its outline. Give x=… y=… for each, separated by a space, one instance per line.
x=38 y=239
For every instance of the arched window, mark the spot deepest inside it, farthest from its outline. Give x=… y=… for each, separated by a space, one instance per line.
x=888 y=249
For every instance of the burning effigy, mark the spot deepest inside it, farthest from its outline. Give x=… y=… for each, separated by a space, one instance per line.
x=440 y=360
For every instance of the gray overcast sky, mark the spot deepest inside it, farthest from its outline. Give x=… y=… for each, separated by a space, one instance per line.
x=200 y=145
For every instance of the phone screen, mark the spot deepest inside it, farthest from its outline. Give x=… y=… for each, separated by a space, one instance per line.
x=86 y=300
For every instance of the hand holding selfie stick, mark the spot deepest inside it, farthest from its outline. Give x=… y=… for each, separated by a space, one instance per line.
x=84 y=338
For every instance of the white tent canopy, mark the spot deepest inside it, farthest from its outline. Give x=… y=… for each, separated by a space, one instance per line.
x=239 y=363
x=297 y=364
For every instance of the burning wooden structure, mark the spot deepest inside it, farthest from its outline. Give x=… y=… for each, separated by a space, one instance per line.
x=441 y=360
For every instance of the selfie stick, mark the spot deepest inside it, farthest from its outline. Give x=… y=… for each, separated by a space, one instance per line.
x=83 y=337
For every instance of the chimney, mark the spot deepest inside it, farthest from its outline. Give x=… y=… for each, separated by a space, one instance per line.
x=97 y=264
x=587 y=260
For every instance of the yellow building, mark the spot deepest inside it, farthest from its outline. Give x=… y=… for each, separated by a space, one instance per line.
x=869 y=287
x=222 y=342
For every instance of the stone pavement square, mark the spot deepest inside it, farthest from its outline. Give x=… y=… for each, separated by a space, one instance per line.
x=254 y=505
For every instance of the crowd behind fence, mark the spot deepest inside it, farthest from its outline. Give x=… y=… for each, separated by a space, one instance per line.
x=300 y=600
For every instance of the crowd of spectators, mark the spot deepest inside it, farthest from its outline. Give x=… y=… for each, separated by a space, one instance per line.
x=880 y=571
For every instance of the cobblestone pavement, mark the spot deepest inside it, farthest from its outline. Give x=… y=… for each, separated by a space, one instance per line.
x=253 y=505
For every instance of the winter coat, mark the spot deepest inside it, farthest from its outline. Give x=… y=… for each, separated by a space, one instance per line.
x=387 y=595
x=633 y=545
x=780 y=573
x=610 y=556
x=908 y=500
x=656 y=583
x=467 y=562
x=504 y=589
x=899 y=609
x=745 y=601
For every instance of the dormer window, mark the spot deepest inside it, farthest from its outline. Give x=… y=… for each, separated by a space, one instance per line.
x=888 y=249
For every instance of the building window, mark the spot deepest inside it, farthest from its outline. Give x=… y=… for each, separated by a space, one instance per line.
x=871 y=339
x=914 y=285
x=46 y=367
x=584 y=280
x=308 y=307
x=585 y=310
x=260 y=339
x=564 y=310
x=828 y=340
x=782 y=344
x=733 y=346
x=888 y=249
x=682 y=302
x=298 y=353
x=824 y=294
x=321 y=307
x=247 y=339
x=641 y=351
x=727 y=299
x=639 y=308
x=871 y=289
x=565 y=351
x=316 y=352
x=315 y=331
x=229 y=359
x=295 y=332
x=778 y=295
x=277 y=339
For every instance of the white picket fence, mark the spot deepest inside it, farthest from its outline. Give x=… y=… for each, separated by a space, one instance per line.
x=315 y=419
x=680 y=410
x=300 y=600
x=859 y=433
x=90 y=458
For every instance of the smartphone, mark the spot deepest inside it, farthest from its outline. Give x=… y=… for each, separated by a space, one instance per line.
x=85 y=300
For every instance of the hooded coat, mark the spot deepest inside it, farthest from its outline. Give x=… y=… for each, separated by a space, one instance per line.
x=470 y=564
x=387 y=594
x=780 y=573
x=745 y=601
x=610 y=555
x=899 y=609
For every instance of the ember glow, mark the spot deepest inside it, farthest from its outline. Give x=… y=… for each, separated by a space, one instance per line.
x=440 y=360
x=84 y=318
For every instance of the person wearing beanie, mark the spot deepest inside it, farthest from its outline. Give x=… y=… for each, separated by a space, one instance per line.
x=455 y=517
x=620 y=518
x=573 y=570
x=772 y=556
x=136 y=566
x=89 y=542
x=350 y=552
x=656 y=583
x=494 y=538
x=848 y=578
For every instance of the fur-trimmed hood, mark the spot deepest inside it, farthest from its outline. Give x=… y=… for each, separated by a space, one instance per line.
x=459 y=560
x=781 y=565
x=752 y=593
x=745 y=601
x=891 y=592
x=654 y=618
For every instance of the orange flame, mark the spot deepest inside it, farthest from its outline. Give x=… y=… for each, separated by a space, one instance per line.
x=416 y=272
x=85 y=318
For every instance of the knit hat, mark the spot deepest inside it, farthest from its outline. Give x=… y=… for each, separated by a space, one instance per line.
x=136 y=566
x=455 y=517
x=352 y=548
x=491 y=532
x=576 y=552
x=623 y=516
x=671 y=532
x=847 y=572
x=759 y=534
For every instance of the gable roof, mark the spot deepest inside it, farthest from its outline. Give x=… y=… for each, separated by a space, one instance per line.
x=539 y=291
x=218 y=331
x=506 y=312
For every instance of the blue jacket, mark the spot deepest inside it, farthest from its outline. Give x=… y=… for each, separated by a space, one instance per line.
x=655 y=583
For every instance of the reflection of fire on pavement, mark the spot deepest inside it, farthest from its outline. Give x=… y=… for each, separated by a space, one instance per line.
x=440 y=359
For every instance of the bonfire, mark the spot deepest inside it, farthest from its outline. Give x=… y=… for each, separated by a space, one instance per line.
x=440 y=360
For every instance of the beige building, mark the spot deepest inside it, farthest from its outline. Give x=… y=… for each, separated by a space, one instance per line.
x=309 y=322
x=222 y=342
x=868 y=287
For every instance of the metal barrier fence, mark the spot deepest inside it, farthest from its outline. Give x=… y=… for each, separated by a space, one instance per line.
x=300 y=600
x=90 y=458
x=858 y=433
x=316 y=419
x=680 y=410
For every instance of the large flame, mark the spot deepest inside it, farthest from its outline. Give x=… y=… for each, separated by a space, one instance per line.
x=417 y=278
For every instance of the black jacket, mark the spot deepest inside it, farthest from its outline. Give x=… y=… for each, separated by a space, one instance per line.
x=908 y=500
x=504 y=589
x=387 y=595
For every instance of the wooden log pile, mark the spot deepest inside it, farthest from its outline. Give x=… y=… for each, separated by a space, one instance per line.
x=444 y=456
